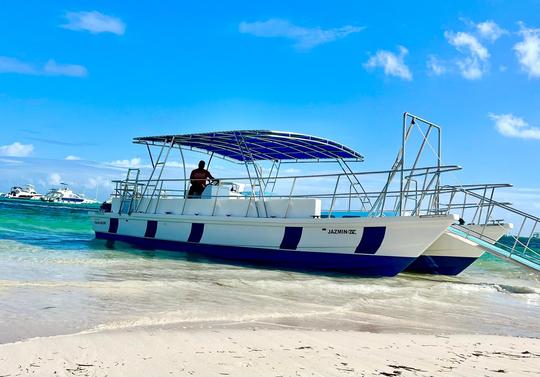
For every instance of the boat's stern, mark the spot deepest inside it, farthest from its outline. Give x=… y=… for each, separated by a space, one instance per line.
x=102 y=221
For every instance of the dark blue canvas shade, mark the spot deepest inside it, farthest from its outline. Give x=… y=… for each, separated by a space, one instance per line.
x=258 y=145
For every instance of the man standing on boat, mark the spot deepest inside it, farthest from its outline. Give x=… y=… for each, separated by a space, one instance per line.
x=199 y=179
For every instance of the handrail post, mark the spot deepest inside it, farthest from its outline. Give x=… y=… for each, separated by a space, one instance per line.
x=531 y=235
x=517 y=237
x=334 y=196
x=402 y=165
x=350 y=195
x=290 y=195
x=464 y=204
x=215 y=200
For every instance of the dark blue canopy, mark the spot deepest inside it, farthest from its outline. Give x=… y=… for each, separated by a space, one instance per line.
x=257 y=145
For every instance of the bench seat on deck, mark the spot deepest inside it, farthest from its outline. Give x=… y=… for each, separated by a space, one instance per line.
x=234 y=207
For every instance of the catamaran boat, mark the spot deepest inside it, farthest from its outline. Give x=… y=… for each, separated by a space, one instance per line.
x=65 y=195
x=330 y=221
x=26 y=192
x=253 y=225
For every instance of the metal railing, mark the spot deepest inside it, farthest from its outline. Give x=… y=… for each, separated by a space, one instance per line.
x=338 y=197
x=477 y=206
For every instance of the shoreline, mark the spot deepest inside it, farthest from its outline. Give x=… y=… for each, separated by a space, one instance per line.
x=143 y=351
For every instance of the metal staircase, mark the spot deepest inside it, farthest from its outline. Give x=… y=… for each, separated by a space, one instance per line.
x=271 y=180
x=155 y=185
x=129 y=191
x=521 y=255
x=522 y=248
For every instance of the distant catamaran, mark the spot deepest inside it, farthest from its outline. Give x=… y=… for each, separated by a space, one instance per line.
x=282 y=221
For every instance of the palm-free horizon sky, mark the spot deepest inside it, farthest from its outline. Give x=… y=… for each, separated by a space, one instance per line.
x=79 y=80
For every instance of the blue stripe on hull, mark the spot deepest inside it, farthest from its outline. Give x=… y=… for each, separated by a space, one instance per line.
x=358 y=264
x=113 y=225
x=196 y=233
x=151 y=228
x=372 y=238
x=440 y=265
x=291 y=237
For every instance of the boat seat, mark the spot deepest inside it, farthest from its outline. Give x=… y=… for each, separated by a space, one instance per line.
x=233 y=206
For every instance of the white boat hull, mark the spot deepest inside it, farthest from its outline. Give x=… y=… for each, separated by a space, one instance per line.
x=450 y=254
x=367 y=246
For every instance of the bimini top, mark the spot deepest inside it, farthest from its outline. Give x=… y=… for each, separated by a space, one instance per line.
x=257 y=145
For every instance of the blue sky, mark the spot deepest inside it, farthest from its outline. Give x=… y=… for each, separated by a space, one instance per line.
x=81 y=79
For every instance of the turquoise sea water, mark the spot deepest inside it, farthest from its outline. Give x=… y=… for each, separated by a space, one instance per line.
x=55 y=278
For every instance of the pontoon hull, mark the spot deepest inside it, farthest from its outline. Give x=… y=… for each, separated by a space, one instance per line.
x=367 y=247
x=440 y=265
x=451 y=254
x=364 y=265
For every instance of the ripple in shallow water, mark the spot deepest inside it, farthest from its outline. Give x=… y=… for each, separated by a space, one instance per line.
x=54 y=278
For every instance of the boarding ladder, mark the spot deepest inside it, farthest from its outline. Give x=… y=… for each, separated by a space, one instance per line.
x=257 y=181
x=155 y=185
x=129 y=191
x=355 y=185
x=412 y=125
x=522 y=248
x=271 y=180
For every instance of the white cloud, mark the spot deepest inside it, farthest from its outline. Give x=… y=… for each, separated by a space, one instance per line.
x=54 y=179
x=72 y=158
x=304 y=38
x=55 y=69
x=436 y=66
x=51 y=68
x=490 y=30
x=10 y=161
x=392 y=64
x=94 y=22
x=292 y=171
x=16 y=150
x=131 y=163
x=102 y=183
x=473 y=66
x=528 y=51
x=467 y=43
x=513 y=126
x=177 y=164
x=12 y=65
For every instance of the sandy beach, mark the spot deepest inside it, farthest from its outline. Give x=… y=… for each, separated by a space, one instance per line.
x=255 y=352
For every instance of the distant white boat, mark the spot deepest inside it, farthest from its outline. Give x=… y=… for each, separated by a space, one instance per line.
x=26 y=192
x=66 y=196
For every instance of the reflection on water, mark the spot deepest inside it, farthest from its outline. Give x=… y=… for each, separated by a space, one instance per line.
x=55 y=278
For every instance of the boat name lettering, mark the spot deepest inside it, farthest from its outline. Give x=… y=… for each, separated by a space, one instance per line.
x=99 y=222
x=341 y=231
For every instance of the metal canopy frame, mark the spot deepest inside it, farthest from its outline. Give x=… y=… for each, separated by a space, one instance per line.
x=257 y=145
x=251 y=147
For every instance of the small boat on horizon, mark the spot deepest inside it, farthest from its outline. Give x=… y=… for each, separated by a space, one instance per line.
x=65 y=195
x=56 y=197
x=27 y=192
